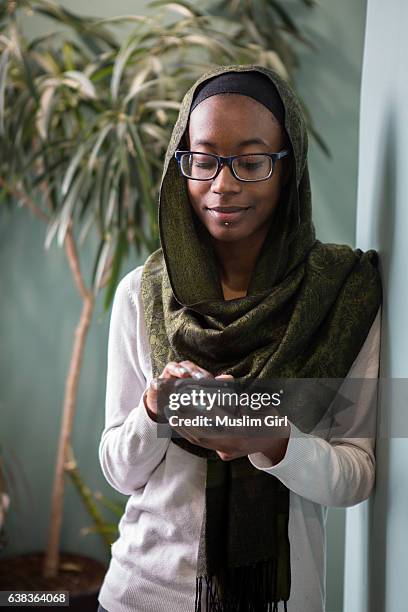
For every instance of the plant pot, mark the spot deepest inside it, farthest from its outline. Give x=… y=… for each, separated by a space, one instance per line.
x=81 y=576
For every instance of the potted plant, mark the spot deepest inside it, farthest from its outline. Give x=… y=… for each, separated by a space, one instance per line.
x=84 y=124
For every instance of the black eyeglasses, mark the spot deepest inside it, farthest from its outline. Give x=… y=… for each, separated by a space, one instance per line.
x=248 y=168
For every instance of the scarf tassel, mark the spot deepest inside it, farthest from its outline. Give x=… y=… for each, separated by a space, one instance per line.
x=251 y=589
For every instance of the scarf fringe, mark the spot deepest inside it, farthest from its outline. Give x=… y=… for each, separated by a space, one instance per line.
x=250 y=589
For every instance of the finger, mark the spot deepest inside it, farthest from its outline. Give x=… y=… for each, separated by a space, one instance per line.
x=194 y=368
x=174 y=370
x=227 y=456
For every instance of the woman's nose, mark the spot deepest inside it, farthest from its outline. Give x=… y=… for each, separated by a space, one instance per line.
x=225 y=182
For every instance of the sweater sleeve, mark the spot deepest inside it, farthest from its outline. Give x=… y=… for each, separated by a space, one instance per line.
x=338 y=471
x=129 y=450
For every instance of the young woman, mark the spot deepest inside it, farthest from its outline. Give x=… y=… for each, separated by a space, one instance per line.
x=242 y=288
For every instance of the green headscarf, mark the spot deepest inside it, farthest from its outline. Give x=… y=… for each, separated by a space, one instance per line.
x=308 y=309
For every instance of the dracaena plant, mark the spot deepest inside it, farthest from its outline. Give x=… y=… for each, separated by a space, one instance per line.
x=85 y=119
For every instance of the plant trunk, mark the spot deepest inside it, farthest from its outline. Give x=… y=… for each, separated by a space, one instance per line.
x=71 y=391
x=51 y=562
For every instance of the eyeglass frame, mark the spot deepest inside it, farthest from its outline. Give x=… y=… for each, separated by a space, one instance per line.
x=221 y=160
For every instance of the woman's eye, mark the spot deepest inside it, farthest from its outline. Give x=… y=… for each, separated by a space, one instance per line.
x=250 y=166
x=203 y=164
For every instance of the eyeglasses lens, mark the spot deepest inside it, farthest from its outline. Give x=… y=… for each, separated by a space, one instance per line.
x=198 y=166
x=252 y=167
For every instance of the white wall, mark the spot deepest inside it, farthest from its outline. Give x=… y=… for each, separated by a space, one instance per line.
x=377 y=531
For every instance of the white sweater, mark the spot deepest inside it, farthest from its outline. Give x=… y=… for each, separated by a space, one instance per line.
x=153 y=565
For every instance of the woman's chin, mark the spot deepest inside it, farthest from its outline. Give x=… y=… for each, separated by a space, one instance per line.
x=225 y=233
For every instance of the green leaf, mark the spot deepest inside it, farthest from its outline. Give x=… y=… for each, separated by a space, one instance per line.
x=136 y=88
x=49 y=171
x=154 y=131
x=39 y=40
x=96 y=261
x=68 y=207
x=51 y=231
x=99 y=141
x=3 y=76
x=80 y=81
x=43 y=114
x=44 y=149
x=86 y=27
x=285 y=17
x=30 y=80
x=68 y=55
x=119 y=67
x=112 y=202
x=290 y=24
x=86 y=226
x=320 y=141
x=101 y=73
x=47 y=63
x=102 y=184
x=116 y=508
x=123 y=19
x=104 y=528
x=102 y=260
x=76 y=160
x=140 y=77
x=144 y=173
x=163 y=104
x=177 y=7
x=120 y=251
x=185 y=9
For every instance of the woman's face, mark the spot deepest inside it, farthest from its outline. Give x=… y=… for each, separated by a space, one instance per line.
x=234 y=124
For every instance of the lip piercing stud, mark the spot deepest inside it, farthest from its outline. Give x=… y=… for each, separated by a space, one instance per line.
x=226 y=222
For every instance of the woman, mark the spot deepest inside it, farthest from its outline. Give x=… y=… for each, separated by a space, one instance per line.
x=226 y=523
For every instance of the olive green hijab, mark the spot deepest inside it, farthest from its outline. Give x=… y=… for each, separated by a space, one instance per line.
x=308 y=309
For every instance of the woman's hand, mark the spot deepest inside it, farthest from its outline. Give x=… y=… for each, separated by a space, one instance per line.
x=228 y=447
x=173 y=369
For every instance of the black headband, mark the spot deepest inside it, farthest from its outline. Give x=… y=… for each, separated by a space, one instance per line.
x=250 y=83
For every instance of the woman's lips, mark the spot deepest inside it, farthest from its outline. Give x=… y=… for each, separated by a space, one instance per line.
x=228 y=216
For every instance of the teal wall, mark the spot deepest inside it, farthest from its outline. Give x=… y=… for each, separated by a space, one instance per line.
x=377 y=565
x=40 y=306
x=329 y=82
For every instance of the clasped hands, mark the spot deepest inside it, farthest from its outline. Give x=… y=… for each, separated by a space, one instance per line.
x=227 y=447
